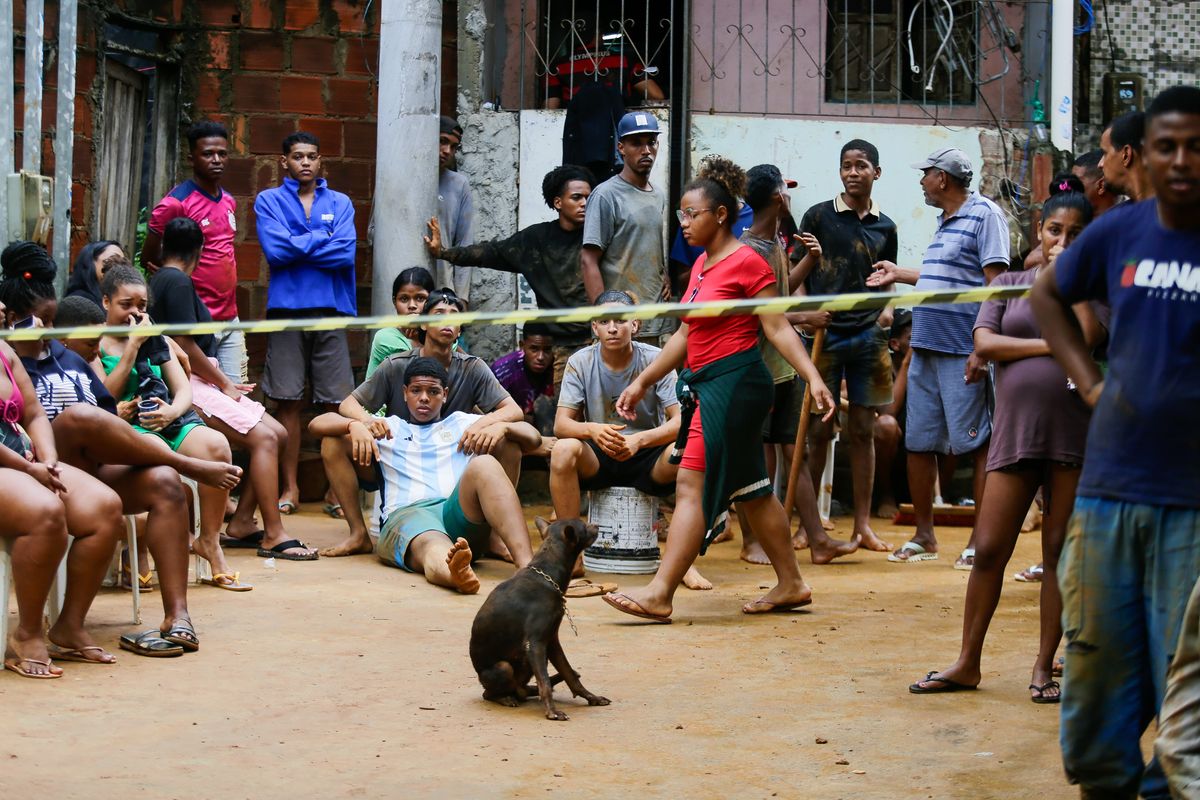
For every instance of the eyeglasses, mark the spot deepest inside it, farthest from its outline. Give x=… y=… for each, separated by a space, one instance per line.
x=688 y=214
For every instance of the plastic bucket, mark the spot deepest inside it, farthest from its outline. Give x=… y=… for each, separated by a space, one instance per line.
x=626 y=543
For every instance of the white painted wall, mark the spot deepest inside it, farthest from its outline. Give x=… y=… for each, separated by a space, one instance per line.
x=806 y=150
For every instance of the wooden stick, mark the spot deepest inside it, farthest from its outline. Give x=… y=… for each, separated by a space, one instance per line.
x=801 y=433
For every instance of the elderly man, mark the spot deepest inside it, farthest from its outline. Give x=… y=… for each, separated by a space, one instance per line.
x=947 y=392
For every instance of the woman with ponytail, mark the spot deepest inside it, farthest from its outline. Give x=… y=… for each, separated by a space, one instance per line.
x=726 y=393
x=1039 y=431
x=44 y=499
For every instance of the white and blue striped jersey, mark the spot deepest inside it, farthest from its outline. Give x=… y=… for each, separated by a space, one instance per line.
x=422 y=462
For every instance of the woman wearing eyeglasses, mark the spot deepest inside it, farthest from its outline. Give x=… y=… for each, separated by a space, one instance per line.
x=726 y=393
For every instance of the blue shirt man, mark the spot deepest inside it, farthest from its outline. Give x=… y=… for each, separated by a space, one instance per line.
x=308 y=237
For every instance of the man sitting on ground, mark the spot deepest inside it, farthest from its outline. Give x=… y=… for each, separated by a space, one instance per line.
x=440 y=503
x=527 y=373
x=472 y=386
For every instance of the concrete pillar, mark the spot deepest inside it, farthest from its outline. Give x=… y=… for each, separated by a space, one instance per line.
x=410 y=41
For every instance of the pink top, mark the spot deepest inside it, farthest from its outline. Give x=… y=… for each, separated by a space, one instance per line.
x=215 y=277
x=12 y=409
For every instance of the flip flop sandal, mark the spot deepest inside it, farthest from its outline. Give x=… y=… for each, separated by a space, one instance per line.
x=145 y=582
x=183 y=634
x=278 y=551
x=287 y=508
x=233 y=585
x=1032 y=574
x=334 y=510
x=1040 y=698
x=946 y=687
x=78 y=655
x=1059 y=665
x=582 y=587
x=767 y=607
x=248 y=542
x=14 y=664
x=961 y=564
x=150 y=644
x=916 y=553
x=633 y=609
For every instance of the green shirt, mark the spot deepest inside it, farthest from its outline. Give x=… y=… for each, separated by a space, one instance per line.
x=386 y=342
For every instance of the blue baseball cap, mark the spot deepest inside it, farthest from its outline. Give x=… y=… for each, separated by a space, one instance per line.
x=637 y=122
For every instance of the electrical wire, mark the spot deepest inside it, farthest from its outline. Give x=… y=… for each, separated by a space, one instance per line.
x=1086 y=27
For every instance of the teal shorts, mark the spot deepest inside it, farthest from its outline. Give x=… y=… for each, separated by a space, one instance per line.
x=444 y=515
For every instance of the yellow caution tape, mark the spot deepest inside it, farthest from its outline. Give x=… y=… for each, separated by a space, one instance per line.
x=774 y=305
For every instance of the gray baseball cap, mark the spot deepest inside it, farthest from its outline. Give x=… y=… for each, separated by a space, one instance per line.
x=950 y=160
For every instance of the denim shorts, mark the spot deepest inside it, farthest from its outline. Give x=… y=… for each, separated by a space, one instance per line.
x=861 y=358
x=945 y=413
x=1126 y=572
x=231 y=354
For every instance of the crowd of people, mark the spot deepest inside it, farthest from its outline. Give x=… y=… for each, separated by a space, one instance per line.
x=1076 y=398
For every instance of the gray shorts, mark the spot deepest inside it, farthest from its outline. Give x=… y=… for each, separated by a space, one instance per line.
x=945 y=414
x=297 y=357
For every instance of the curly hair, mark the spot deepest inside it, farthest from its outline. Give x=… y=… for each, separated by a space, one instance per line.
x=28 y=276
x=725 y=172
x=556 y=180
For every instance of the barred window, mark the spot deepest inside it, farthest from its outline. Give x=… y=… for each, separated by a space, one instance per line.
x=922 y=51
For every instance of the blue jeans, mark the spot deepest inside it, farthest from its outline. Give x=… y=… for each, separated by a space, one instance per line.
x=1125 y=573
x=231 y=354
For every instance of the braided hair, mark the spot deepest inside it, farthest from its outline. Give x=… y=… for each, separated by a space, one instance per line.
x=28 y=277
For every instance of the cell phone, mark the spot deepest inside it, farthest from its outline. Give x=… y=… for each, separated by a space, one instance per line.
x=25 y=323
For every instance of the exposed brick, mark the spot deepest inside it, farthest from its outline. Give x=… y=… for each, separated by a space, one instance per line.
x=262 y=51
x=355 y=178
x=266 y=133
x=239 y=176
x=85 y=72
x=236 y=125
x=266 y=176
x=83 y=115
x=362 y=56
x=256 y=92
x=249 y=258
x=262 y=15
x=82 y=160
x=360 y=139
x=208 y=93
x=312 y=54
x=252 y=304
x=362 y=220
x=79 y=206
x=350 y=97
x=219 y=13
x=299 y=16
x=350 y=15
x=218 y=50
x=306 y=95
x=329 y=131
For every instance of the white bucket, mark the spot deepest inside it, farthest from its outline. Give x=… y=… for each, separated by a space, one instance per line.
x=626 y=543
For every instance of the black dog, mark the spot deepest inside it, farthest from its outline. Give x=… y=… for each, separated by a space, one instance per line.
x=516 y=629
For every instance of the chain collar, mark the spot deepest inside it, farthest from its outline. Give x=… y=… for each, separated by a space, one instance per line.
x=561 y=594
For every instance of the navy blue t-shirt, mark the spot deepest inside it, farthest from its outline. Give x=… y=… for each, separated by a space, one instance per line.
x=1144 y=441
x=62 y=379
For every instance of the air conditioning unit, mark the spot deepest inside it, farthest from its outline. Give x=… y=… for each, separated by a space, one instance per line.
x=30 y=206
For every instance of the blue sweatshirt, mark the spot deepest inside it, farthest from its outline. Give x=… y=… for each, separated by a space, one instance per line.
x=311 y=259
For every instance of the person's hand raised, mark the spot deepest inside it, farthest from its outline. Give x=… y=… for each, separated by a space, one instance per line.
x=433 y=242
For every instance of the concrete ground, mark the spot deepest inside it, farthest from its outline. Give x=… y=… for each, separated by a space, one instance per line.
x=345 y=678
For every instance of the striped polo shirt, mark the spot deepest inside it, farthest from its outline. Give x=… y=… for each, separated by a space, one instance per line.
x=975 y=237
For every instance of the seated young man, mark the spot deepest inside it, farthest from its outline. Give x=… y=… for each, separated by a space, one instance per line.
x=440 y=503
x=889 y=422
x=527 y=374
x=597 y=448
x=471 y=386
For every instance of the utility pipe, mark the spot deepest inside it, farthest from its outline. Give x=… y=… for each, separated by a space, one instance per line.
x=1062 y=74
x=64 y=139
x=35 y=19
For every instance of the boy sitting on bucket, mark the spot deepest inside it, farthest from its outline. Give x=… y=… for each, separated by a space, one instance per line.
x=439 y=504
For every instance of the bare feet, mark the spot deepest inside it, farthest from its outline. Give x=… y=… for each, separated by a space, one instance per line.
x=887 y=509
x=211 y=473
x=800 y=540
x=350 y=546
x=459 y=562
x=826 y=550
x=544 y=448
x=827 y=524
x=724 y=536
x=868 y=540
x=692 y=579
x=1033 y=518
x=32 y=655
x=752 y=553
x=498 y=549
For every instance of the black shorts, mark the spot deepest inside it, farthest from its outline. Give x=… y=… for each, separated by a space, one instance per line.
x=780 y=425
x=634 y=473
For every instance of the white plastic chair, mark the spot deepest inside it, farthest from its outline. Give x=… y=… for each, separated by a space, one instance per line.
x=203 y=569
x=5 y=581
